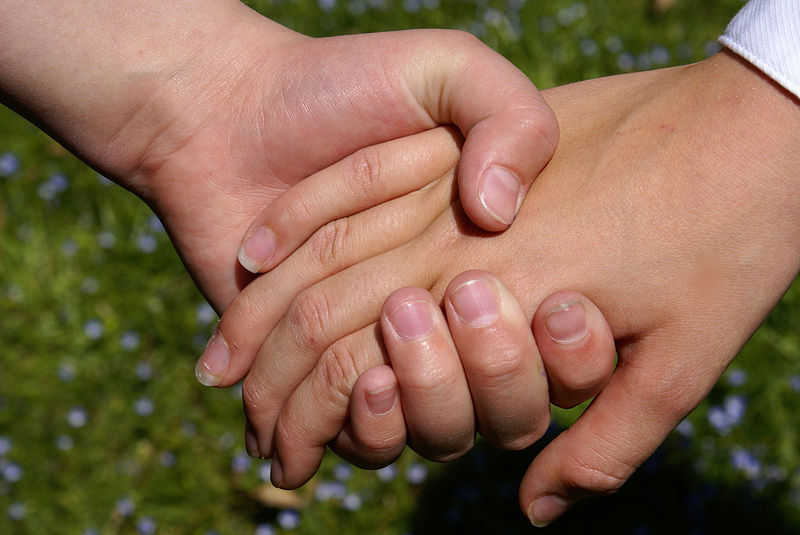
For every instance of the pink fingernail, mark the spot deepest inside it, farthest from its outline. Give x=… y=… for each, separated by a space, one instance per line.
x=213 y=363
x=545 y=509
x=475 y=303
x=500 y=193
x=257 y=249
x=381 y=401
x=566 y=323
x=412 y=320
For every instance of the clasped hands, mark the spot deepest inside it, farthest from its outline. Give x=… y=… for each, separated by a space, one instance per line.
x=650 y=207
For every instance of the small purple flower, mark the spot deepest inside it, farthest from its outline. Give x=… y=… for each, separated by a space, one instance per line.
x=167 y=459
x=794 y=383
x=343 y=472
x=12 y=472
x=288 y=519
x=146 y=243
x=719 y=420
x=129 y=341
x=189 y=429
x=17 y=511
x=77 y=417
x=659 y=56
x=352 y=502
x=9 y=164
x=626 y=62
x=144 y=406
x=205 y=314
x=265 y=529
x=64 y=442
x=146 y=525
x=746 y=462
x=240 y=463
x=155 y=224
x=93 y=329
x=326 y=5
x=144 y=370
x=416 y=473
x=387 y=473
x=589 y=47
x=124 y=507
x=106 y=239
x=330 y=490
x=736 y=377
x=5 y=445
x=735 y=407
x=69 y=248
x=685 y=428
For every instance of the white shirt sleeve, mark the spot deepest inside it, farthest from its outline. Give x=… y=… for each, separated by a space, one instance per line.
x=767 y=34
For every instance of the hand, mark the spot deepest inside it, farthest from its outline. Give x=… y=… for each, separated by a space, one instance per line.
x=670 y=203
x=210 y=111
x=481 y=363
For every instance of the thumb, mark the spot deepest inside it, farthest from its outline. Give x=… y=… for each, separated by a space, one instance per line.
x=651 y=391
x=510 y=130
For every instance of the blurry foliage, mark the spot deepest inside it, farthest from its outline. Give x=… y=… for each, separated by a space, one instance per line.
x=103 y=427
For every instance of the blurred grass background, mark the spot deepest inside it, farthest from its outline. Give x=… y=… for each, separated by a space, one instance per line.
x=103 y=428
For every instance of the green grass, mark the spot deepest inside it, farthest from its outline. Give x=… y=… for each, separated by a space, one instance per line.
x=104 y=333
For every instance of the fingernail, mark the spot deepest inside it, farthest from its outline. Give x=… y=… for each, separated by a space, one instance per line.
x=500 y=194
x=545 y=509
x=250 y=441
x=381 y=401
x=257 y=249
x=213 y=363
x=412 y=319
x=566 y=323
x=475 y=303
x=276 y=472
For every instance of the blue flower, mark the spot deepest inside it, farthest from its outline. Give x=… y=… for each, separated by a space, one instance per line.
x=794 y=383
x=124 y=507
x=17 y=511
x=746 y=462
x=12 y=472
x=155 y=224
x=387 y=473
x=240 y=463
x=416 y=473
x=106 y=239
x=77 y=417
x=736 y=377
x=265 y=529
x=146 y=243
x=205 y=314
x=5 y=445
x=129 y=341
x=146 y=525
x=343 y=472
x=288 y=519
x=144 y=406
x=167 y=459
x=330 y=490
x=64 y=442
x=326 y=5
x=685 y=428
x=93 y=329
x=53 y=187
x=9 y=164
x=69 y=248
x=352 y=502
x=144 y=370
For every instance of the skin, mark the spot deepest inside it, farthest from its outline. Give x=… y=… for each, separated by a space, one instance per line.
x=210 y=118
x=670 y=202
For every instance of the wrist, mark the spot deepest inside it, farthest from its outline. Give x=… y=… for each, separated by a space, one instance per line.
x=110 y=80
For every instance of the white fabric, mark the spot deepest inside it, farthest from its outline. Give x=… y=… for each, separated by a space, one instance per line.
x=767 y=34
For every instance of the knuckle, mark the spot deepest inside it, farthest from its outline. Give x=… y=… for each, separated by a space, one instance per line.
x=336 y=373
x=297 y=208
x=254 y=395
x=593 y=479
x=308 y=315
x=363 y=173
x=499 y=367
x=329 y=243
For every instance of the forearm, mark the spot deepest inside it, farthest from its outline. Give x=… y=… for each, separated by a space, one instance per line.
x=102 y=77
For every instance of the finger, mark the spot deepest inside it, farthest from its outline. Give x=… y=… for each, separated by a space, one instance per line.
x=312 y=327
x=624 y=425
x=375 y=434
x=510 y=131
x=576 y=345
x=365 y=179
x=315 y=413
x=500 y=359
x=339 y=244
x=433 y=389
